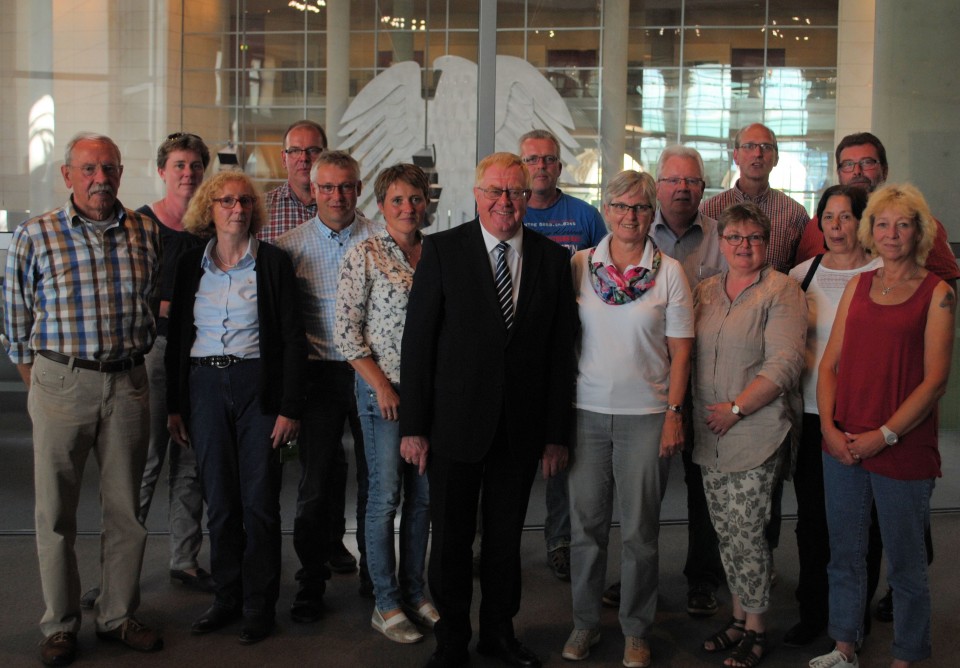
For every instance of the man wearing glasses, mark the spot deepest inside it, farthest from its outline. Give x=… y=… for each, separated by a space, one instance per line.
x=862 y=161
x=317 y=247
x=292 y=203
x=756 y=154
x=78 y=293
x=487 y=381
x=575 y=225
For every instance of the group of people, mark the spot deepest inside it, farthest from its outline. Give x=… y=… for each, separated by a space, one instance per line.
x=542 y=336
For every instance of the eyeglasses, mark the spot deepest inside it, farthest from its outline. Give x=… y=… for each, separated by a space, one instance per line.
x=109 y=170
x=535 y=159
x=638 y=209
x=330 y=188
x=737 y=239
x=515 y=194
x=752 y=146
x=866 y=163
x=229 y=201
x=674 y=181
x=311 y=151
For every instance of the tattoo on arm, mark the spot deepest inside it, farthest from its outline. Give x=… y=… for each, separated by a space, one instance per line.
x=949 y=302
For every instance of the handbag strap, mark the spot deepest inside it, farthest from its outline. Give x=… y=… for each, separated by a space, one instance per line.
x=811 y=272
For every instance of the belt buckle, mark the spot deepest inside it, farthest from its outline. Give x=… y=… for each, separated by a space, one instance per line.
x=222 y=362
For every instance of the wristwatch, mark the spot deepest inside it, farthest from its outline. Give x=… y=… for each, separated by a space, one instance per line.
x=735 y=409
x=676 y=408
x=888 y=436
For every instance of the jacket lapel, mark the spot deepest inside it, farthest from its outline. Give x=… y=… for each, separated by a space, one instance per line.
x=475 y=252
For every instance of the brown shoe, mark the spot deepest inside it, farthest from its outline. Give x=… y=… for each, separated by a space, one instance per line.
x=59 y=649
x=636 y=652
x=134 y=635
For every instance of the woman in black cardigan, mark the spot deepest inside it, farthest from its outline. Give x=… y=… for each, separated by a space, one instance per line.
x=235 y=357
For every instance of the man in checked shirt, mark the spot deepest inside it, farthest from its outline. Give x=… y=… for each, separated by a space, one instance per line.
x=77 y=293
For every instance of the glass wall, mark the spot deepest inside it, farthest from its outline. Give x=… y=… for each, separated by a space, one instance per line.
x=697 y=70
x=238 y=72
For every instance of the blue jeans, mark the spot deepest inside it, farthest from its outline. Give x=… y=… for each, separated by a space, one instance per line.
x=903 y=510
x=556 y=526
x=388 y=473
x=241 y=475
x=617 y=456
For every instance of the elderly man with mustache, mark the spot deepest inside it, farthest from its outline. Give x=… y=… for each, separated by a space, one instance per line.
x=78 y=293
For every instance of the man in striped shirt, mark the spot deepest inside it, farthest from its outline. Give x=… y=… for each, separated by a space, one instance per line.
x=78 y=289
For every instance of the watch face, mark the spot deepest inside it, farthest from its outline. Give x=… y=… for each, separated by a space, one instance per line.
x=735 y=409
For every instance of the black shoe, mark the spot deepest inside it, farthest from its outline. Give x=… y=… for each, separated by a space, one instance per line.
x=611 y=596
x=341 y=561
x=559 y=561
x=202 y=581
x=701 y=602
x=802 y=634
x=447 y=657
x=884 y=610
x=366 y=588
x=216 y=617
x=256 y=629
x=509 y=650
x=88 y=599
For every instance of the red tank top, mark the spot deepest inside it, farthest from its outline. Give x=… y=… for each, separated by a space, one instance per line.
x=881 y=363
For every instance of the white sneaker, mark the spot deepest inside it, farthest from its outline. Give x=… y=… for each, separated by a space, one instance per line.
x=577 y=647
x=835 y=659
x=398 y=628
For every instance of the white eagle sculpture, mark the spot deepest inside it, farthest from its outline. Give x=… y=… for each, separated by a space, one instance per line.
x=387 y=122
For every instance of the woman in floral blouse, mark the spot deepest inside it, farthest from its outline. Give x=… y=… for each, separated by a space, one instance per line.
x=375 y=280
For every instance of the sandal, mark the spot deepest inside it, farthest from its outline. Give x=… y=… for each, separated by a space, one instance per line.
x=744 y=655
x=721 y=640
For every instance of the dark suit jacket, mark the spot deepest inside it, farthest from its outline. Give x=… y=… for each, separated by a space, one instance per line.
x=283 y=343
x=461 y=371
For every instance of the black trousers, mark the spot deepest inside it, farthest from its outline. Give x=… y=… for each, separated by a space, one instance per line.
x=813 y=539
x=505 y=477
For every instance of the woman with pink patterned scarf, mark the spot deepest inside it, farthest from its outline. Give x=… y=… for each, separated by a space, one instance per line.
x=637 y=333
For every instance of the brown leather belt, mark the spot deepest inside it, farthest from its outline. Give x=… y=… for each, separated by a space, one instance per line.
x=113 y=366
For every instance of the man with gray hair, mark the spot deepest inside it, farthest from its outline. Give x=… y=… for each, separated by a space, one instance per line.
x=78 y=319
x=575 y=225
x=317 y=248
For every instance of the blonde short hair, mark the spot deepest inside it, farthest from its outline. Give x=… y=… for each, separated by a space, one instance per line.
x=504 y=160
x=198 y=219
x=908 y=200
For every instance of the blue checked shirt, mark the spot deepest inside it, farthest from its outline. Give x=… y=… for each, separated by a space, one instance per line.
x=80 y=291
x=317 y=252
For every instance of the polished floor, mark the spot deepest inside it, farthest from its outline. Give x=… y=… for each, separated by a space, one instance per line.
x=344 y=637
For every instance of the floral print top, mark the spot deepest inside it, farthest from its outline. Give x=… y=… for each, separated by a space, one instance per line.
x=372 y=294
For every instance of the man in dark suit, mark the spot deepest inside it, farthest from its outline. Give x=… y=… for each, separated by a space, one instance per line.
x=486 y=390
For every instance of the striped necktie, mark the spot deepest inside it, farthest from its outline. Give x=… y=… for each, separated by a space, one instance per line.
x=504 y=284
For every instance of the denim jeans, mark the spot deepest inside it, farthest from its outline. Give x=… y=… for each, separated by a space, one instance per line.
x=241 y=475
x=556 y=526
x=186 y=494
x=903 y=510
x=616 y=457
x=388 y=476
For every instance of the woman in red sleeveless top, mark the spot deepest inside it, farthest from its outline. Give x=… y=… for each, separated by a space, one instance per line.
x=884 y=369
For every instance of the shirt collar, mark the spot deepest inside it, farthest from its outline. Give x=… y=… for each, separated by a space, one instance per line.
x=248 y=258
x=660 y=223
x=602 y=254
x=491 y=242
x=744 y=196
x=75 y=218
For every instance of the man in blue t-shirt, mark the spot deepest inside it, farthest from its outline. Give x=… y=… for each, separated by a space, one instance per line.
x=575 y=225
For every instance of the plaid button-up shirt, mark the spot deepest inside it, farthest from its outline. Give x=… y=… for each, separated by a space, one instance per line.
x=286 y=212
x=79 y=290
x=787 y=217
